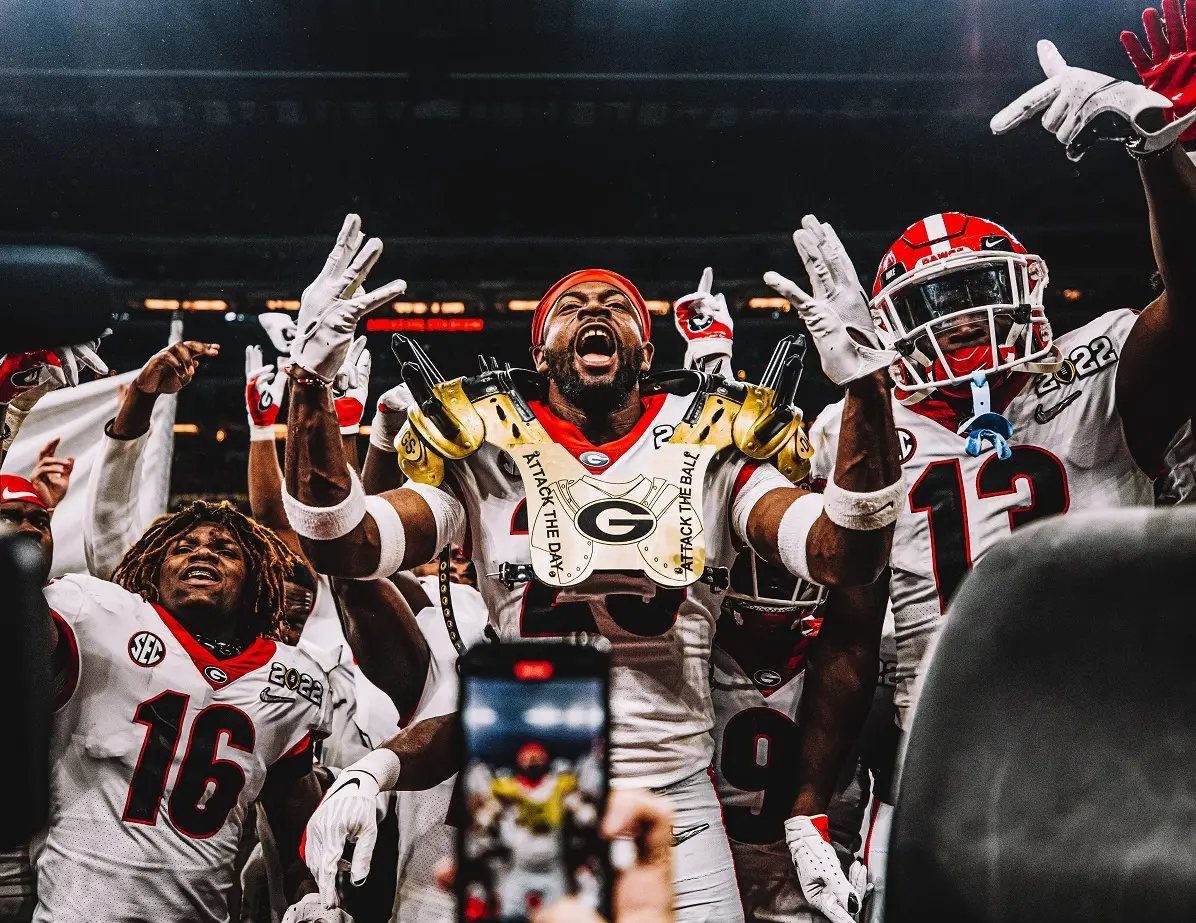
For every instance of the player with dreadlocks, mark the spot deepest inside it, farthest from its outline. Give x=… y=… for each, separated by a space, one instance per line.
x=177 y=708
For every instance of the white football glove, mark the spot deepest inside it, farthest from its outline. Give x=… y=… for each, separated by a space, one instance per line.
x=330 y=310
x=1074 y=98
x=351 y=387
x=348 y=812
x=705 y=324
x=390 y=416
x=310 y=909
x=837 y=307
x=821 y=876
x=280 y=328
x=263 y=394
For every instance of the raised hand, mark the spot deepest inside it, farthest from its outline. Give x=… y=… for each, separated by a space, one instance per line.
x=836 y=314
x=704 y=323
x=1074 y=98
x=330 y=310
x=351 y=387
x=280 y=328
x=1170 y=68
x=51 y=476
x=263 y=394
x=170 y=370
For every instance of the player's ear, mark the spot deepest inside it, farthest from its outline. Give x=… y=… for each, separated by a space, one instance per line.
x=649 y=351
x=538 y=359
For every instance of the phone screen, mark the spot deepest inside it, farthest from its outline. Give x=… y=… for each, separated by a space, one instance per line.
x=534 y=782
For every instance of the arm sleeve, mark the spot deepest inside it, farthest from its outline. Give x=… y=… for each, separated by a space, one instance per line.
x=112 y=522
x=747 y=494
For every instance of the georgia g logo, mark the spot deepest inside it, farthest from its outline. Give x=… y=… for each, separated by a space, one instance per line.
x=146 y=649
x=699 y=322
x=615 y=522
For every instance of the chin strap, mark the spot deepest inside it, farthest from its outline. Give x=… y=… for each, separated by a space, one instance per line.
x=984 y=425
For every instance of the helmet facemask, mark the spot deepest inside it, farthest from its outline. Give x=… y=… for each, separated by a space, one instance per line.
x=762 y=590
x=972 y=311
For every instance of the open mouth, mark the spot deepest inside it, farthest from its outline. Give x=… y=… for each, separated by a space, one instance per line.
x=595 y=346
x=200 y=575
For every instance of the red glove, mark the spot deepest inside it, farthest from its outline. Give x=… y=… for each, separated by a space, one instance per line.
x=704 y=323
x=263 y=394
x=350 y=388
x=1170 y=68
x=22 y=372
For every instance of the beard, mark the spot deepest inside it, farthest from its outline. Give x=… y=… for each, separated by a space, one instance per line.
x=602 y=397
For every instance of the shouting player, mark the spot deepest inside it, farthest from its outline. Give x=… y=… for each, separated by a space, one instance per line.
x=176 y=710
x=1000 y=423
x=596 y=499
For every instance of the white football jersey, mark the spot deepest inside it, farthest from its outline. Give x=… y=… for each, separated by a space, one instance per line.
x=755 y=739
x=362 y=715
x=1069 y=453
x=424 y=837
x=156 y=755
x=661 y=715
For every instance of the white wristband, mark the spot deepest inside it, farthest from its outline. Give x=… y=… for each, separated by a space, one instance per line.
x=327 y=522
x=261 y=433
x=381 y=436
x=447 y=511
x=382 y=765
x=793 y=532
x=392 y=539
x=863 y=512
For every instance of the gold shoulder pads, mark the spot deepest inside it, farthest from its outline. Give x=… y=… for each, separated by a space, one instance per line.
x=713 y=426
x=416 y=460
x=793 y=459
x=756 y=430
x=459 y=414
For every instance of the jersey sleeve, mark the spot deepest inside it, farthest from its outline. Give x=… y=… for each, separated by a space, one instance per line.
x=824 y=438
x=752 y=482
x=112 y=521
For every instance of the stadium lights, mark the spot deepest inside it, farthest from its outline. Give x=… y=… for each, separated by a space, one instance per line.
x=521 y=304
x=425 y=325
x=768 y=304
x=1072 y=294
x=477 y=716
x=658 y=307
x=161 y=304
x=422 y=307
x=207 y=304
x=282 y=304
x=189 y=428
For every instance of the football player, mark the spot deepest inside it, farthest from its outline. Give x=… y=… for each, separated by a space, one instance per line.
x=175 y=709
x=559 y=485
x=1000 y=423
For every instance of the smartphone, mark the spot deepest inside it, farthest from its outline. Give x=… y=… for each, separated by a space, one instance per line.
x=535 y=721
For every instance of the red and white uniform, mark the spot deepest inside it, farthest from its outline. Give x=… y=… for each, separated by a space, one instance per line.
x=661 y=713
x=157 y=752
x=755 y=747
x=1069 y=453
x=424 y=837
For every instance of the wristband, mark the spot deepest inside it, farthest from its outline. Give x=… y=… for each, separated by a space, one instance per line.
x=793 y=532
x=381 y=436
x=382 y=766
x=327 y=522
x=863 y=512
x=260 y=433
x=392 y=538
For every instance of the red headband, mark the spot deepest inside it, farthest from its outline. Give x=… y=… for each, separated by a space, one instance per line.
x=13 y=488
x=544 y=308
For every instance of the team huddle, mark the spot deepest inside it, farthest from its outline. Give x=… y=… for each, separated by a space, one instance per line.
x=767 y=585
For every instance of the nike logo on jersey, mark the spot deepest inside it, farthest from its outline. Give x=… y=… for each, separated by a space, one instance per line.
x=1046 y=414
x=681 y=834
x=268 y=696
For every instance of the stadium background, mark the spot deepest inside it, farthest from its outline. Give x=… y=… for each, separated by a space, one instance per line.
x=208 y=153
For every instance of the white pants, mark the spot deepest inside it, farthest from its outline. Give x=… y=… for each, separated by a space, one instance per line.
x=703 y=871
x=876 y=857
